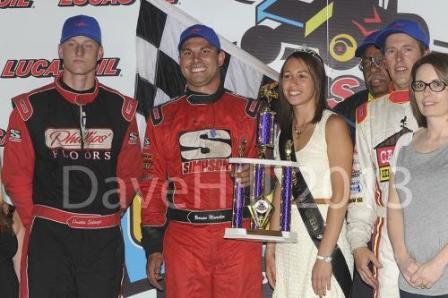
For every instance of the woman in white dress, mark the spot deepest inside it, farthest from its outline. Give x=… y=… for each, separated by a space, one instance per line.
x=324 y=152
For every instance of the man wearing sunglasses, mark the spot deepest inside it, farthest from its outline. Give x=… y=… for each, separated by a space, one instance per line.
x=376 y=79
x=379 y=124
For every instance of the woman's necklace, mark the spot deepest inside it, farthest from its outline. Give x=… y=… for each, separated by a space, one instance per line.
x=298 y=130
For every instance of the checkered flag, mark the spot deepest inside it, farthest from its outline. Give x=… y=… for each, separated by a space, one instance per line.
x=159 y=78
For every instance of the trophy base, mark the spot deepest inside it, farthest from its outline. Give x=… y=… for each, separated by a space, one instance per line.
x=260 y=235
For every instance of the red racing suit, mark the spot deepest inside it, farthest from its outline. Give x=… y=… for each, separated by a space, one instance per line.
x=379 y=124
x=186 y=149
x=64 y=153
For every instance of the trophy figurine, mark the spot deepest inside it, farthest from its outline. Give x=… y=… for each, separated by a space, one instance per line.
x=266 y=119
x=261 y=169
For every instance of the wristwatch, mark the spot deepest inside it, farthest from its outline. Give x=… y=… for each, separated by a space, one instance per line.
x=326 y=259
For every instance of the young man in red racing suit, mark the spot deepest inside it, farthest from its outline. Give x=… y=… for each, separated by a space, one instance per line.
x=71 y=153
x=188 y=190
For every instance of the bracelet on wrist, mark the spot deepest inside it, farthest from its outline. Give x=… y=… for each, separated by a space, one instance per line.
x=326 y=259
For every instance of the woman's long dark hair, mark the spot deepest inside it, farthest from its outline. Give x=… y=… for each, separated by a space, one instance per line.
x=317 y=70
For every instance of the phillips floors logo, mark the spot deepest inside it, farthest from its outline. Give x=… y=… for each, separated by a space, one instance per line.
x=68 y=138
x=67 y=143
x=94 y=2
x=43 y=68
x=15 y=4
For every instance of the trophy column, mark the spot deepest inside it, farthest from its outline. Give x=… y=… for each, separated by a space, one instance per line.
x=238 y=194
x=287 y=172
x=260 y=207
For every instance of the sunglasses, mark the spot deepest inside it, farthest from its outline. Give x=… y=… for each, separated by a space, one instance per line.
x=367 y=62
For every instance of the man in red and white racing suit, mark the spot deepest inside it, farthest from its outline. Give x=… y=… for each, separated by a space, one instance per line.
x=188 y=191
x=375 y=142
x=379 y=124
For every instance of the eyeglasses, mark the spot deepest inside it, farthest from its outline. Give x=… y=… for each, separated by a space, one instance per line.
x=436 y=85
x=367 y=62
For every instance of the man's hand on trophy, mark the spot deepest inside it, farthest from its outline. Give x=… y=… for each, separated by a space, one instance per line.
x=242 y=175
x=154 y=265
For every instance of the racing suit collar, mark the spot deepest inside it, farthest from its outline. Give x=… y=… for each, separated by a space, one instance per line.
x=76 y=97
x=194 y=97
x=399 y=96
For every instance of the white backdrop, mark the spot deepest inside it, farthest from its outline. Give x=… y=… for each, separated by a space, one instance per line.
x=33 y=33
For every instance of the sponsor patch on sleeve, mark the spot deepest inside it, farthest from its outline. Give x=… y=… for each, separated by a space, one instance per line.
x=15 y=135
x=128 y=109
x=133 y=138
x=361 y=113
x=146 y=142
x=3 y=135
x=147 y=157
x=355 y=200
x=24 y=107
x=147 y=161
x=355 y=190
x=355 y=186
x=252 y=107
x=157 y=115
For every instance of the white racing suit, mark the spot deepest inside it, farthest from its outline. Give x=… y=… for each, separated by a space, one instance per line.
x=379 y=124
